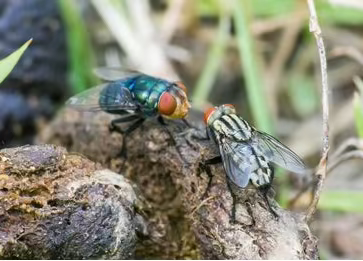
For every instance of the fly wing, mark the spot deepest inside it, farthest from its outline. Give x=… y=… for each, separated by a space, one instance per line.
x=89 y=100
x=113 y=74
x=238 y=160
x=277 y=152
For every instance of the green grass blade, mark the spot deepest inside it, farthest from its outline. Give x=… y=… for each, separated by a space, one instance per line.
x=79 y=48
x=358 y=108
x=7 y=64
x=215 y=55
x=253 y=76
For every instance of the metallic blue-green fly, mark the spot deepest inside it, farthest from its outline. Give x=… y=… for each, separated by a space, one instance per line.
x=134 y=95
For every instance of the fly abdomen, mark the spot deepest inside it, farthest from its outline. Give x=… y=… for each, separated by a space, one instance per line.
x=261 y=177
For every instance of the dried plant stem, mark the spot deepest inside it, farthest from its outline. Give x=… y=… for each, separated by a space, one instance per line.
x=322 y=168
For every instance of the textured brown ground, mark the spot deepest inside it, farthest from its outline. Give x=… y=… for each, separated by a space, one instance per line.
x=171 y=183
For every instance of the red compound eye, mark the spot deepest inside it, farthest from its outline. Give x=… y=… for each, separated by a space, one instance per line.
x=181 y=86
x=208 y=113
x=167 y=104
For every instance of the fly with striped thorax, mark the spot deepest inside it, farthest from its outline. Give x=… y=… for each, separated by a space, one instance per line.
x=135 y=96
x=246 y=153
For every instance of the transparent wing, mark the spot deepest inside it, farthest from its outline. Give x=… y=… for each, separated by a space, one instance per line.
x=238 y=160
x=90 y=100
x=114 y=74
x=277 y=152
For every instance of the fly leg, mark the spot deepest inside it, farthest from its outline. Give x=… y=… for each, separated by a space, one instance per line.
x=207 y=137
x=187 y=123
x=164 y=124
x=126 y=132
x=205 y=166
x=264 y=192
x=234 y=201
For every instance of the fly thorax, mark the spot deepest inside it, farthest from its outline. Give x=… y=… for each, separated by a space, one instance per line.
x=213 y=117
x=233 y=127
x=221 y=128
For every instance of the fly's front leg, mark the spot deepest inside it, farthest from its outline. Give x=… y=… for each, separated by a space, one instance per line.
x=127 y=131
x=207 y=137
x=164 y=124
x=205 y=166
x=187 y=123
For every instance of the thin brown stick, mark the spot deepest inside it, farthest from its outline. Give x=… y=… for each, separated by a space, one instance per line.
x=321 y=172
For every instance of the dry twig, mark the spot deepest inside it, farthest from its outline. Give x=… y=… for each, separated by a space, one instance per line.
x=321 y=172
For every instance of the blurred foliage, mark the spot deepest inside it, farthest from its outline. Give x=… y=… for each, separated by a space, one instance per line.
x=249 y=60
x=267 y=8
x=358 y=107
x=214 y=60
x=343 y=201
x=302 y=92
x=8 y=63
x=79 y=47
x=339 y=15
x=301 y=88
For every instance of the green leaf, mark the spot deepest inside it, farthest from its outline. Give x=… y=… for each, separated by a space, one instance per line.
x=81 y=56
x=340 y=200
x=7 y=64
